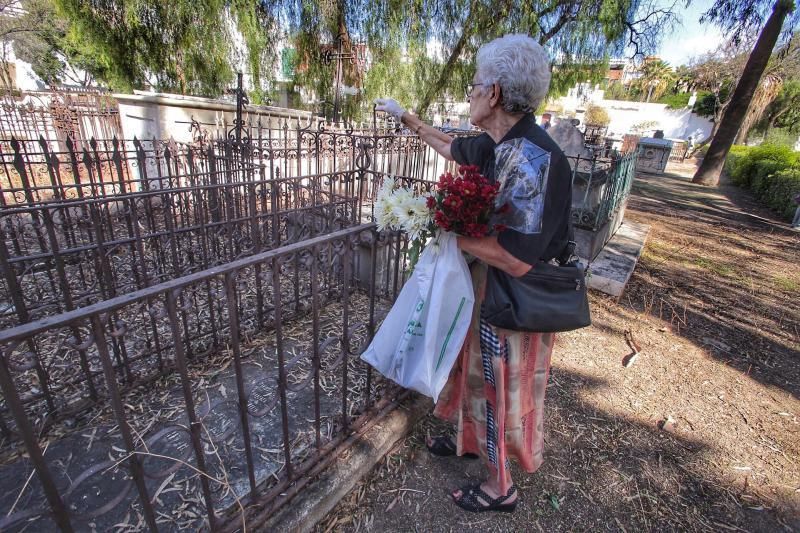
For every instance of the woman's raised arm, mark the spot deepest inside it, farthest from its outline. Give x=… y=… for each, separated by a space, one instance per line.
x=434 y=138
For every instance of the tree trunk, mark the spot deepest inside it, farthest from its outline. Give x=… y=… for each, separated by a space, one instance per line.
x=447 y=69
x=711 y=167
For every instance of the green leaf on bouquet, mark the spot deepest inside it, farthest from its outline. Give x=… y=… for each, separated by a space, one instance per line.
x=413 y=254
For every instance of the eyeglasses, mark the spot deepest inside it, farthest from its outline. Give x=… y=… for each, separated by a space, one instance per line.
x=469 y=87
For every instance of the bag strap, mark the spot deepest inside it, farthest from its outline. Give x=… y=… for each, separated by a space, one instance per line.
x=567 y=255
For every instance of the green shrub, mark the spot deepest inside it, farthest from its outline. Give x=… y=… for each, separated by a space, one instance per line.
x=780 y=191
x=771 y=172
x=596 y=116
x=777 y=153
x=733 y=164
x=742 y=161
x=761 y=173
x=675 y=101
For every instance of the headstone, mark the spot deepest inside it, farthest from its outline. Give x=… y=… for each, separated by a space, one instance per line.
x=569 y=139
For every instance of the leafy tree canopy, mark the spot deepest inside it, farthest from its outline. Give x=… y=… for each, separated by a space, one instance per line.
x=429 y=47
x=418 y=50
x=743 y=19
x=178 y=45
x=38 y=36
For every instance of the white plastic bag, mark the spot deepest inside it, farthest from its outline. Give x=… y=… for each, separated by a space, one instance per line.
x=418 y=342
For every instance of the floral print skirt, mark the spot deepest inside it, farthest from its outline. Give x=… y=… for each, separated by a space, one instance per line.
x=495 y=393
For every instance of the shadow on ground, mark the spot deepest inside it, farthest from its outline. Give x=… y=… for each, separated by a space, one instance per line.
x=724 y=278
x=603 y=472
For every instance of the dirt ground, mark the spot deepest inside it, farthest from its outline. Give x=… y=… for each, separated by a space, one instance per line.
x=701 y=432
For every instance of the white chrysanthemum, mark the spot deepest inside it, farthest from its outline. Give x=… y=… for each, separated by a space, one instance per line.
x=385 y=215
x=417 y=216
x=421 y=208
x=387 y=186
x=402 y=209
x=401 y=201
x=381 y=214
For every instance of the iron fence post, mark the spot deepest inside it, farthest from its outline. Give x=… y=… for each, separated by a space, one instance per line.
x=119 y=411
x=60 y=513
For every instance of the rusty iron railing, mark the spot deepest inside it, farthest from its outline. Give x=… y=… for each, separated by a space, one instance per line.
x=84 y=224
x=288 y=324
x=601 y=185
x=182 y=322
x=59 y=115
x=104 y=230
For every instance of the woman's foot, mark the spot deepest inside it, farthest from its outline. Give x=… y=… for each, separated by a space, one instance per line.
x=445 y=447
x=481 y=498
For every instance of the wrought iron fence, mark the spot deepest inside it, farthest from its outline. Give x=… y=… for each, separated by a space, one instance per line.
x=84 y=224
x=594 y=135
x=116 y=219
x=257 y=382
x=601 y=185
x=182 y=321
x=59 y=115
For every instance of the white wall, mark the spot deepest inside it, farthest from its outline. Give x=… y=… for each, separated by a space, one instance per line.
x=676 y=123
x=164 y=116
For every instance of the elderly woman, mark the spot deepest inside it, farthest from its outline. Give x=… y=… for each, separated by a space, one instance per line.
x=495 y=393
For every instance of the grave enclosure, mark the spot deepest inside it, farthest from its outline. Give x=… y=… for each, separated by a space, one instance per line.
x=180 y=324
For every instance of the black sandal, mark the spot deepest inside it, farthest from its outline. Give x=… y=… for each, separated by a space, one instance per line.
x=445 y=447
x=469 y=500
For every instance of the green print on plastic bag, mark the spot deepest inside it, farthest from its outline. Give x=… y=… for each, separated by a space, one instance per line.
x=450 y=332
x=414 y=326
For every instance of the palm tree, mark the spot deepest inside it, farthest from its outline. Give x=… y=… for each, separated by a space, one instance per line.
x=768 y=89
x=656 y=78
x=684 y=81
x=783 y=66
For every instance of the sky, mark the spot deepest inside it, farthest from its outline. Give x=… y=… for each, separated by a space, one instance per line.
x=690 y=38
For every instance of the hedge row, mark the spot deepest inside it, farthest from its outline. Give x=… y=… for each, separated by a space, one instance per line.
x=771 y=172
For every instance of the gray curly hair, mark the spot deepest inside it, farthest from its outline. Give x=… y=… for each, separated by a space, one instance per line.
x=520 y=66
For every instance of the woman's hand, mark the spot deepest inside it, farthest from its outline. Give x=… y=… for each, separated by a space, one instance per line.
x=434 y=138
x=390 y=106
x=488 y=250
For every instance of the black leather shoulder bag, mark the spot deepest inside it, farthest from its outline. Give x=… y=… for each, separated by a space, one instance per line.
x=549 y=298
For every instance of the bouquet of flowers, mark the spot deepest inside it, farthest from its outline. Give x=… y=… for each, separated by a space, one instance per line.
x=463 y=204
